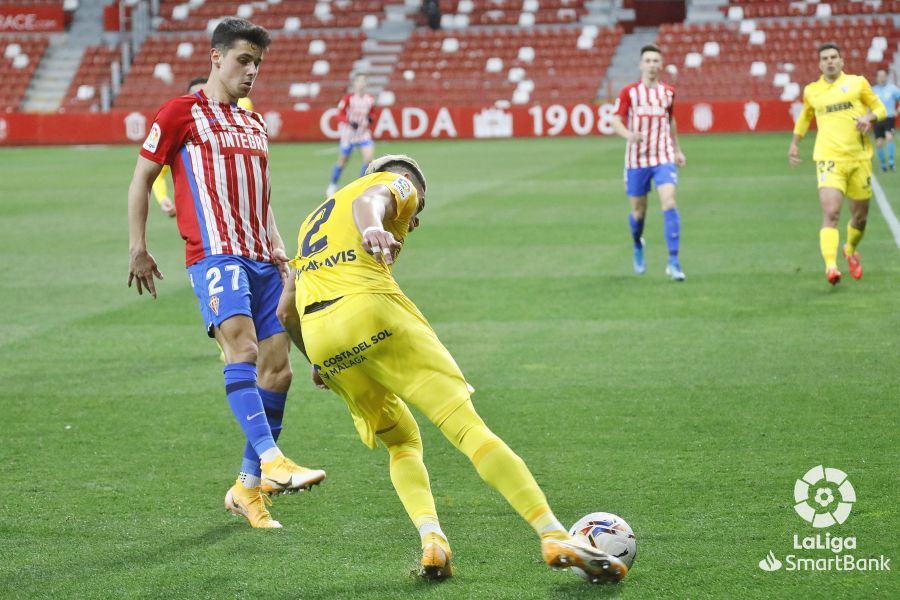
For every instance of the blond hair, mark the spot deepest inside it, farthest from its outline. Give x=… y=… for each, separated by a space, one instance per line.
x=389 y=162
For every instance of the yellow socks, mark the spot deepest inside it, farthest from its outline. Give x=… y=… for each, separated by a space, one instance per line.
x=828 y=243
x=408 y=472
x=854 y=236
x=500 y=467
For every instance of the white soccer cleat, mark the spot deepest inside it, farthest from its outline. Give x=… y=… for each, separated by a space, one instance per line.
x=673 y=270
x=330 y=190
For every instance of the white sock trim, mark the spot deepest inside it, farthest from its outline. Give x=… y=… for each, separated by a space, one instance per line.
x=427 y=528
x=248 y=480
x=270 y=454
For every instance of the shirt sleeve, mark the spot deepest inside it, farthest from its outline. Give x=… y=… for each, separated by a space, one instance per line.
x=871 y=99
x=623 y=103
x=167 y=134
x=406 y=196
x=805 y=117
x=343 y=106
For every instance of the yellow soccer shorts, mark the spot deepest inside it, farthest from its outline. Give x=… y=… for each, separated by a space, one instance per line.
x=377 y=351
x=852 y=177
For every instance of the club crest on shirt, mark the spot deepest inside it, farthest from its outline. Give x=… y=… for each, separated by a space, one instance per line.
x=152 y=140
x=214 y=305
x=403 y=187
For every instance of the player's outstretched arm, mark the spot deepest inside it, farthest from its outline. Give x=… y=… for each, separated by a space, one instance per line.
x=794 y=151
x=680 y=159
x=142 y=267
x=287 y=312
x=279 y=256
x=370 y=209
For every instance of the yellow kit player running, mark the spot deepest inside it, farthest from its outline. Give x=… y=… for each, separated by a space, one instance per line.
x=844 y=107
x=370 y=344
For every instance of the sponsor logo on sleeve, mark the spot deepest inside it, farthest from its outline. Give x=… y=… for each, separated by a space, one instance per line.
x=152 y=140
x=403 y=187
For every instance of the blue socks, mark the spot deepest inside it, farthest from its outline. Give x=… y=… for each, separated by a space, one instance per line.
x=273 y=403
x=891 y=153
x=672 y=230
x=881 y=156
x=336 y=173
x=637 y=230
x=247 y=405
x=363 y=170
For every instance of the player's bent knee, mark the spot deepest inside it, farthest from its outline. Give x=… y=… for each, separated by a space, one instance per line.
x=278 y=380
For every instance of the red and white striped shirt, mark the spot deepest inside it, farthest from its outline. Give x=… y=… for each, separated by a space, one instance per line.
x=219 y=154
x=355 y=108
x=648 y=110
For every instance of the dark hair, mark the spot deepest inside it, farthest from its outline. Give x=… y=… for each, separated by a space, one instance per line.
x=828 y=46
x=651 y=48
x=395 y=166
x=197 y=81
x=232 y=29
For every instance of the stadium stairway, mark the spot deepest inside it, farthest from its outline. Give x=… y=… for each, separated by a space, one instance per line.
x=624 y=66
x=705 y=11
x=57 y=68
x=384 y=45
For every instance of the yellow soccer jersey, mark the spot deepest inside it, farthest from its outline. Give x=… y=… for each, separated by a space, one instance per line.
x=836 y=107
x=246 y=103
x=330 y=260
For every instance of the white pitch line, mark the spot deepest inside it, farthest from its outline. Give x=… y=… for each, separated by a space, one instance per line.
x=886 y=210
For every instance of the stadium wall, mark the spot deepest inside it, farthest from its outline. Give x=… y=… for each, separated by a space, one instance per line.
x=409 y=123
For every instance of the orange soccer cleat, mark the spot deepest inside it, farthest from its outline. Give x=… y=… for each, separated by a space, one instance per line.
x=833 y=276
x=853 y=264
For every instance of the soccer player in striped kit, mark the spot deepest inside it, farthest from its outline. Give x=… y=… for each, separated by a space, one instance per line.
x=218 y=153
x=355 y=115
x=644 y=117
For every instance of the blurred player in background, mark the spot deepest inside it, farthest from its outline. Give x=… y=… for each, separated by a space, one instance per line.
x=355 y=115
x=645 y=119
x=370 y=344
x=844 y=107
x=889 y=94
x=235 y=256
x=160 y=189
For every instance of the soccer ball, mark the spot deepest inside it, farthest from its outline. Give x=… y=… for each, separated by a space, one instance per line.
x=607 y=532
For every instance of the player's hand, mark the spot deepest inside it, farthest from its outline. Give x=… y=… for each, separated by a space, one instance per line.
x=635 y=137
x=354 y=125
x=794 y=155
x=680 y=159
x=167 y=207
x=281 y=261
x=317 y=379
x=142 y=270
x=863 y=124
x=381 y=245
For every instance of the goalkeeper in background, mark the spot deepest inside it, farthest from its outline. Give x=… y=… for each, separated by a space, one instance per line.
x=844 y=107
x=160 y=187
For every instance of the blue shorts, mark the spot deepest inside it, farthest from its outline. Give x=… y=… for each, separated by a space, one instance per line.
x=346 y=149
x=637 y=181
x=228 y=285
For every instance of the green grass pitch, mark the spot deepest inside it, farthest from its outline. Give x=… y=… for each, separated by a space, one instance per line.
x=688 y=409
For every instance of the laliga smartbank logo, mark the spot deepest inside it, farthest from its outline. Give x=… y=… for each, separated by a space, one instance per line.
x=815 y=498
x=824 y=497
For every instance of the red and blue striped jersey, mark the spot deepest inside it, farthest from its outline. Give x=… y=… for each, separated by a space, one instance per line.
x=219 y=155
